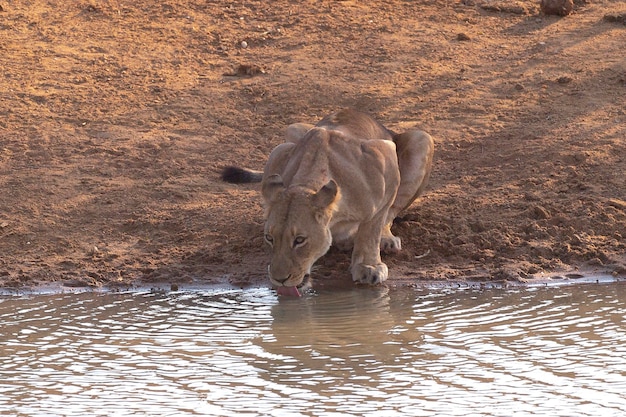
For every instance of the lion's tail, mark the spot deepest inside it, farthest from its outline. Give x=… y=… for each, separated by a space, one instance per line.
x=237 y=175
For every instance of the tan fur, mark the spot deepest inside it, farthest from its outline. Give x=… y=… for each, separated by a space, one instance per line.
x=340 y=182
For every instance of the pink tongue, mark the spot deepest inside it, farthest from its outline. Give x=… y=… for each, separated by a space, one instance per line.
x=292 y=291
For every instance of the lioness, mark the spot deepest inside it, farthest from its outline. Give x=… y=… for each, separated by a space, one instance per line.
x=341 y=182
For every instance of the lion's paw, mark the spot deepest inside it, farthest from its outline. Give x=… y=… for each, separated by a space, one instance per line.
x=370 y=274
x=390 y=244
x=345 y=245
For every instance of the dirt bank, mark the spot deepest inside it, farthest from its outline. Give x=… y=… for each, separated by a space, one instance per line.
x=116 y=117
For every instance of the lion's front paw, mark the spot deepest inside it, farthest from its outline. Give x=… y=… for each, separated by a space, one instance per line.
x=370 y=274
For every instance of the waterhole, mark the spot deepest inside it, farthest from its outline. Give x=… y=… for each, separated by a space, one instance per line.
x=363 y=351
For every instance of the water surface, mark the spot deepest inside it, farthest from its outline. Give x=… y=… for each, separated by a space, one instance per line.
x=528 y=351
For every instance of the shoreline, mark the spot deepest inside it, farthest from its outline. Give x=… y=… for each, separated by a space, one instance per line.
x=552 y=281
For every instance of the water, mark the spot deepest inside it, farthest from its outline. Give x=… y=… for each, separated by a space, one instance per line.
x=529 y=351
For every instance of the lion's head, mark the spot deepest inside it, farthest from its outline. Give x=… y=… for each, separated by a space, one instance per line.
x=297 y=228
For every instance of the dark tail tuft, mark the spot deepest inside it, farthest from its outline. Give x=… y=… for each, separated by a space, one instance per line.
x=238 y=175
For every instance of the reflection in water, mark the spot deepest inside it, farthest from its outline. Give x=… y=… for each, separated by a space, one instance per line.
x=363 y=351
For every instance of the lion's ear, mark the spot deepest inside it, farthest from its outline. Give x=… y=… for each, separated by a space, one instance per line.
x=327 y=195
x=272 y=186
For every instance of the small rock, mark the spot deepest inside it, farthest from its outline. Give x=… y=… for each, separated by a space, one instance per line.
x=246 y=70
x=244 y=44
x=530 y=196
x=541 y=213
x=463 y=37
x=532 y=270
x=615 y=18
x=557 y=7
x=564 y=79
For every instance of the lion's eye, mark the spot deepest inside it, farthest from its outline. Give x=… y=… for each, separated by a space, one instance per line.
x=269 y=239
x=299 y=241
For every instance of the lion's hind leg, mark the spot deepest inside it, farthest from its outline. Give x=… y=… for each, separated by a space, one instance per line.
x=415 y=150
x=280 y=155
x=296 y=131
x=388 y=242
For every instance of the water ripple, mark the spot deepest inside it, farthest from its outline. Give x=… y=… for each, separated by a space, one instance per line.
x=552 y=352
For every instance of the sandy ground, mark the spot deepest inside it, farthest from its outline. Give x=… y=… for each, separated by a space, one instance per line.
x=117 y=116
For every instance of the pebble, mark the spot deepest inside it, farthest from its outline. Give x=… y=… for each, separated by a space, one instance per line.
x=564 y=79
x=541 y=213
